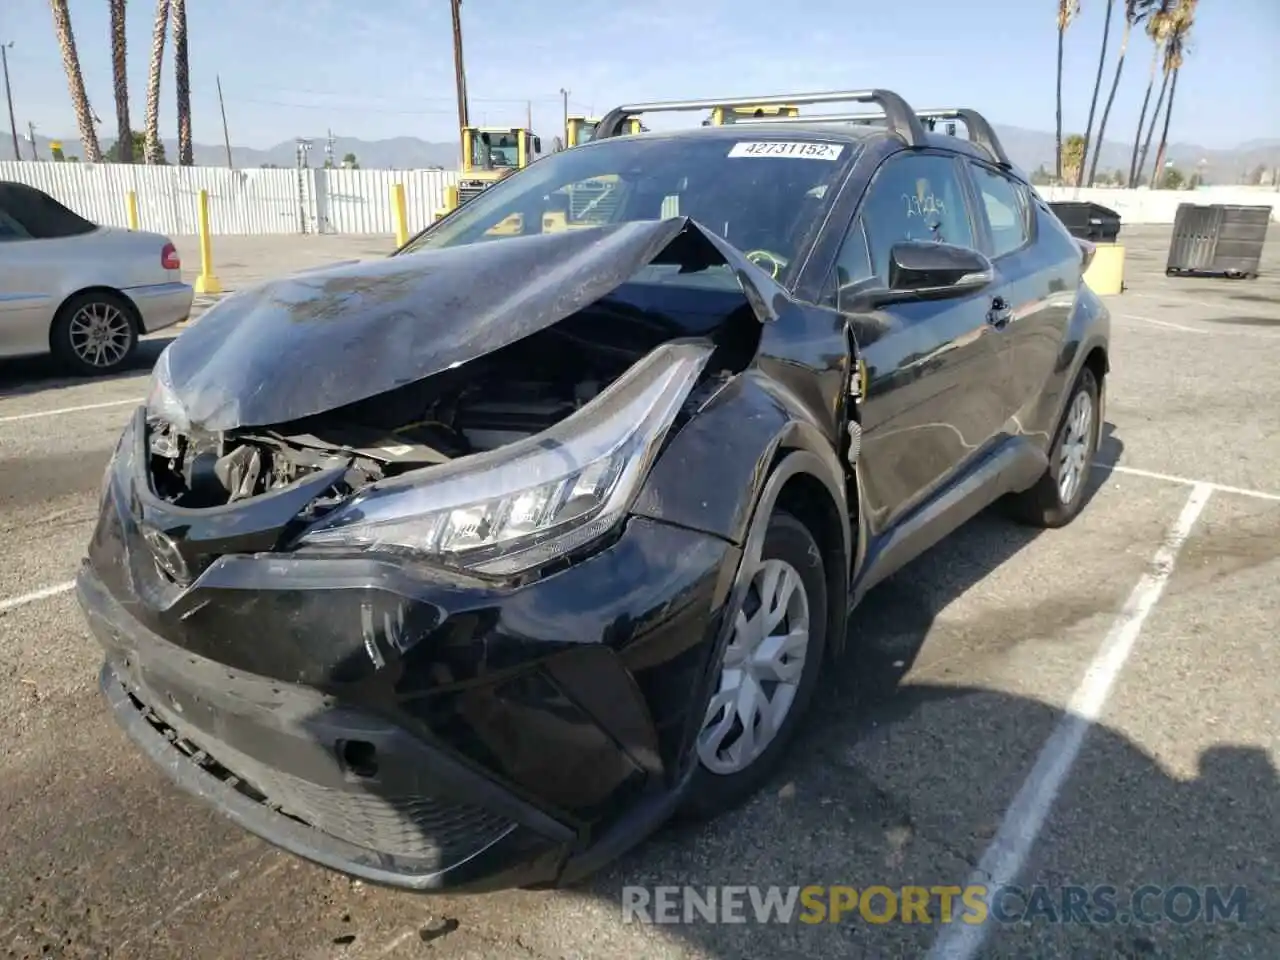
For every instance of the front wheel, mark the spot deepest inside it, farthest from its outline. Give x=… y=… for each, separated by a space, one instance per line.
x=1059 y=494
x=768 y=672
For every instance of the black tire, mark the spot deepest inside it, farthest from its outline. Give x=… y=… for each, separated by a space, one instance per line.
x=1042 y=505
x=61 y=339
x=712 y=793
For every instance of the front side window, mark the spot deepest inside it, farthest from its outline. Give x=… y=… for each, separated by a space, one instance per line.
x=914 y=198
x=1007 y=209
x=762 y=200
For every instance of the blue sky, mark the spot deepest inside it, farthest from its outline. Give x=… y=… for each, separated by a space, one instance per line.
x=384 y=68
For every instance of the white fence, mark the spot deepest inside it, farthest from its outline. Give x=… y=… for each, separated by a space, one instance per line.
x=359 y=201
x=1160 y=206
x=240 y=201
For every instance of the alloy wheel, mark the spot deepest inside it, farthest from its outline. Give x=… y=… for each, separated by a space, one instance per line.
x=100 y=334
x=1073 y=458
x=761 y=671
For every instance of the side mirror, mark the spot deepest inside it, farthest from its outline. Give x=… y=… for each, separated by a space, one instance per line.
x=537 y=144
x=924 y=270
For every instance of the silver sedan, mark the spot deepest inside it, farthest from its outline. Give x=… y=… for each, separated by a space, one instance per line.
x=84 y=292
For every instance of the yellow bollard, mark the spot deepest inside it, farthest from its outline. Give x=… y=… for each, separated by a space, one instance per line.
x=1105 y=275
x=206 y=282
x=131 y=204
x=450 y=202
x=400 y=215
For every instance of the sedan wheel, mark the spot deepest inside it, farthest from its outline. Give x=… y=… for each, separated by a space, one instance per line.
x=761 y=673
x=767 y=672
x=95 y=333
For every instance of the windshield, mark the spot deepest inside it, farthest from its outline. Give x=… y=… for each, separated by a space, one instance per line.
x=587 y=130
x=761 y=195
x=501 y=150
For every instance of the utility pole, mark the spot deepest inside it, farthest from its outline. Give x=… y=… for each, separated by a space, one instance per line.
x=226 y=137
x=459 y=72
x=8 y=93
x=31 y=135
x=328 y=150
x=528 y=114
x=564 y=97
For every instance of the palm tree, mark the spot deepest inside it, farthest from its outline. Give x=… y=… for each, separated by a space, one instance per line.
x=1157 y=27
x=75 y=81
x=1135 y=12
x=1073 y=156
x=1171 y=18
x=155 y=149
x=1175 y=50
x=1097 y=88
x=1067 y=11
x=182 y=80
x=120 y=78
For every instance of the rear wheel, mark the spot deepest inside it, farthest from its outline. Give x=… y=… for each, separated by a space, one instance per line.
x=1060 y=493
x=768 y=672
x=94 y=333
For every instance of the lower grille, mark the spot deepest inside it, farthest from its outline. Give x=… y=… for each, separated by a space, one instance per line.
x=469 y=191
x=419 y=828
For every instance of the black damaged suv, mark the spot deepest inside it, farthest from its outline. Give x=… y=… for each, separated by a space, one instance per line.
x=468 y=567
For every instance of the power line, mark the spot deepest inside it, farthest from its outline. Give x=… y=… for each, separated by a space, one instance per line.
x=331 y=107
x=367 y=97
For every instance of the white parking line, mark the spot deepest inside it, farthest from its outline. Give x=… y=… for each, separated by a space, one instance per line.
x=1180 y=299
x=1256 y=334
x=12 y=603
x=1187 y=481
x=62 y=410
x=1007 y=855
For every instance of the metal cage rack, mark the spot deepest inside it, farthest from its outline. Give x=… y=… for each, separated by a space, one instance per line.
x=909 y=124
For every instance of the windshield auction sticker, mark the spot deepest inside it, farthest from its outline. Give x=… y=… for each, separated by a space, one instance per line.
x=776 y=148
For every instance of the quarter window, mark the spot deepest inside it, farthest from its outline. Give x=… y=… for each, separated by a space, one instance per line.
x=1007 y=210
x=914 y=198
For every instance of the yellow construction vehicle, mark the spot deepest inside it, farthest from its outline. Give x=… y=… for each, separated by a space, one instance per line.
x=723 y=115
x=490 y=154
x=583 y=129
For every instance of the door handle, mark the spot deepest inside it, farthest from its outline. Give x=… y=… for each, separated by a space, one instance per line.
x=1000 y=313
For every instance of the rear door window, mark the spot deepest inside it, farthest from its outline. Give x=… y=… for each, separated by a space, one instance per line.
x=41 y=216
x=1007 y=208
x=11 y=229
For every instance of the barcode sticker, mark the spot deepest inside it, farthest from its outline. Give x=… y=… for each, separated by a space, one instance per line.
x=777 y=148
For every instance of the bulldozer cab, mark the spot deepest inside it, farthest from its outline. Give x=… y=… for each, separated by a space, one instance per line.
x=583 y=129
x=580 y=130
x=498 y=151
x=723 y=115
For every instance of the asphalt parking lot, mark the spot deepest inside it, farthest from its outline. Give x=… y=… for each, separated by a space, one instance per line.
x=1154 y=615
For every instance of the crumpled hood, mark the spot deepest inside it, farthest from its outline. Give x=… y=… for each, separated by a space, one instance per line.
x=319 y=340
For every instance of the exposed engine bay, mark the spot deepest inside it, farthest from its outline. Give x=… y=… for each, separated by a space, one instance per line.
x=492 y=401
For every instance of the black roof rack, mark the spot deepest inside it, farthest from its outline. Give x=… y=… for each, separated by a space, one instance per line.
x=981 y=133
x=902 y=120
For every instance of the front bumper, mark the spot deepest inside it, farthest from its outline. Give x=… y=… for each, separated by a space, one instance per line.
x=162 y=305
x=416 y=731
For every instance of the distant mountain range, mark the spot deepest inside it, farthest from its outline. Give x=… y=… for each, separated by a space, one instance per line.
x=1029 y=149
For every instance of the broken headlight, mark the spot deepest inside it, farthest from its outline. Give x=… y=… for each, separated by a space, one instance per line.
x=523 y=505
x=162 y=399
